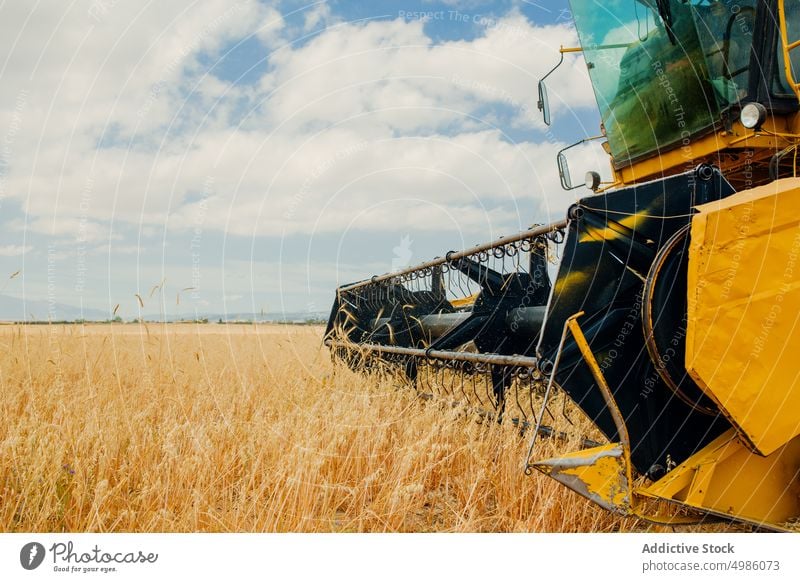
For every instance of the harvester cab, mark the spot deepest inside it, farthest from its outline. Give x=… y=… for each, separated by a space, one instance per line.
x=670 y=320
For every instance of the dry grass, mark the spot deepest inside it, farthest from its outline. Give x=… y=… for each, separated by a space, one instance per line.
x=247 y=428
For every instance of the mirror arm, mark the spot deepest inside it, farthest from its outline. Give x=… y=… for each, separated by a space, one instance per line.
x=561 y=51
x=561 y=170
x=558 y=64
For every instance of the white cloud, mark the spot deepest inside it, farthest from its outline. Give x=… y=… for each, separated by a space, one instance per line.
x=353 y=84
x=115 y=124
x=272 y=28
x=319 y=15
x=14 y=250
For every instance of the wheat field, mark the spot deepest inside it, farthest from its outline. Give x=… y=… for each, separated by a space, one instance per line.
x=249 y=428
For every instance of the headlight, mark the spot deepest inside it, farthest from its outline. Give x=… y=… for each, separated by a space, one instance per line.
x=592 y=180
x=753 y=115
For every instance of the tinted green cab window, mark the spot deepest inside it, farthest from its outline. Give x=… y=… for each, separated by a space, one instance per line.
x=780 y=85
x=654 y=92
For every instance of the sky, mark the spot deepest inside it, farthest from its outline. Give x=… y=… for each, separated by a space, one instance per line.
x=225 y=156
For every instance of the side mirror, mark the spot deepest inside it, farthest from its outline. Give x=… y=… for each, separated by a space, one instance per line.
x=563 y=167
x=544 y=103
x=563 y=171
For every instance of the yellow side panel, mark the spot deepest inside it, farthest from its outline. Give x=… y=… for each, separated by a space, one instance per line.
x=743 y=328
x=726 y=478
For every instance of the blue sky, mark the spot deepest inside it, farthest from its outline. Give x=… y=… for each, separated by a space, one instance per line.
x=253 y=155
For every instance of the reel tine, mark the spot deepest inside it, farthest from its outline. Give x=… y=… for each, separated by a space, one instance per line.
x=463 y=379
x=533 y=387
x=516 y=387
x=488 y=387
x=475 y=385
x=451 y=368
x=424 y=382
x=564 y=408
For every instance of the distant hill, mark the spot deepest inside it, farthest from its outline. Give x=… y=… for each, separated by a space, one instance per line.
x=288 y=317
x=16 y=309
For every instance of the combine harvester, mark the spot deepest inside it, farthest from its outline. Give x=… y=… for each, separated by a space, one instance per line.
x=672 y=322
